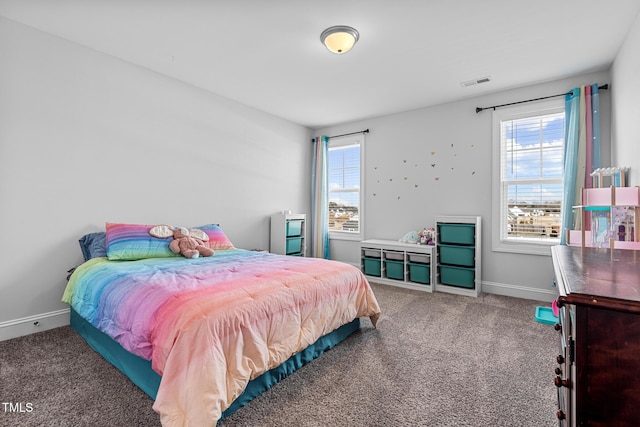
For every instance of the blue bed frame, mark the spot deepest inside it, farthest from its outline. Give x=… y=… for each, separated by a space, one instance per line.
x=139 y=371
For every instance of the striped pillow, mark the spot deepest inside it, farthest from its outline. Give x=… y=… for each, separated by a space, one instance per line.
x=129 y=242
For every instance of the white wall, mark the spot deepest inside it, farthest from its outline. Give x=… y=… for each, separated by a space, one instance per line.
x=625 y=73
x=86 y=138
x=437 y=161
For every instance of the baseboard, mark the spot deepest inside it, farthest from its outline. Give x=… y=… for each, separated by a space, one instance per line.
x=32 y=324
x=525 y=292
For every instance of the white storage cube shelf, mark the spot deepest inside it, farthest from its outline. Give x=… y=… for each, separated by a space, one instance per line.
x=399 y=264
x=288 y=234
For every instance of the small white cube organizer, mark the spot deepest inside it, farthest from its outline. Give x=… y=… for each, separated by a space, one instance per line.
x=458 y=242
x=400 y=264
x=288 y=234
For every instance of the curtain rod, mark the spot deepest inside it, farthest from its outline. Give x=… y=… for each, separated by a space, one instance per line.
x=478 y=109
x=344 y=134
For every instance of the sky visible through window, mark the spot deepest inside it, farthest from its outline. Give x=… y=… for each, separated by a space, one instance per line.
x=344 y=175
x=534 y=151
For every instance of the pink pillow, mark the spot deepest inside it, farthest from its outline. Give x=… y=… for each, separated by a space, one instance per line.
x=217 y=239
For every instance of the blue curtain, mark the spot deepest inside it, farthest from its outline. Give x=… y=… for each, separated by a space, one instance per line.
x=582 y=149
x=320 y=199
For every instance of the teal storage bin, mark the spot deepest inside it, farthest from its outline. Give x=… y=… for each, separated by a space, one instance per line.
x=457 y=276
x=294 y=227
x=371 y=266
x=457 y=255
x=419 y=273
x=394 y=269
x=294 y=245
x=457 y=234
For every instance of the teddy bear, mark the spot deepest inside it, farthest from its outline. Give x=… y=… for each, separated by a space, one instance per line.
x=187 y=242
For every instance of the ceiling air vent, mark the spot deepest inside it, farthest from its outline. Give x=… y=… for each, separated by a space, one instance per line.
x=476 y=81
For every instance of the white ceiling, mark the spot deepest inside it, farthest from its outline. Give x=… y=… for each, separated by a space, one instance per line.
x=411 y=54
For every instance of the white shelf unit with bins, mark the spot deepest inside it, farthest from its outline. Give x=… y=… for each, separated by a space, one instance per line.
x=288 y=234
x=458 y=243
x=399 y=264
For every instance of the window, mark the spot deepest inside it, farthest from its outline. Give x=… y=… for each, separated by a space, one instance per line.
x=527 y=190
x=345 y=209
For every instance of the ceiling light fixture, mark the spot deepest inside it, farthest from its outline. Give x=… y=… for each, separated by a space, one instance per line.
x=339 y=39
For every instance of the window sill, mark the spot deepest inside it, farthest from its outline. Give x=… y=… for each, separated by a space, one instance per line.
x=336 y=235
x=543 y=249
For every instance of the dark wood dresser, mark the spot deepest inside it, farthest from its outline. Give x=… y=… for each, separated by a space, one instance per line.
x=598 y=371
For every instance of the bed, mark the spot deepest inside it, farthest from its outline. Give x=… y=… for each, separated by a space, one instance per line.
x=203 y=336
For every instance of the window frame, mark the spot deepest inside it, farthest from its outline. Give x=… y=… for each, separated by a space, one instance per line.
x=499 y=243
x=350 y=235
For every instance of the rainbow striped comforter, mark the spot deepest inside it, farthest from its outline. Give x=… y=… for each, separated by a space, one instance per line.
x=210 y=325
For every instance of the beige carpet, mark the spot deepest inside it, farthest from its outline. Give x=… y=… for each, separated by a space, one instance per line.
x=435 y=360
